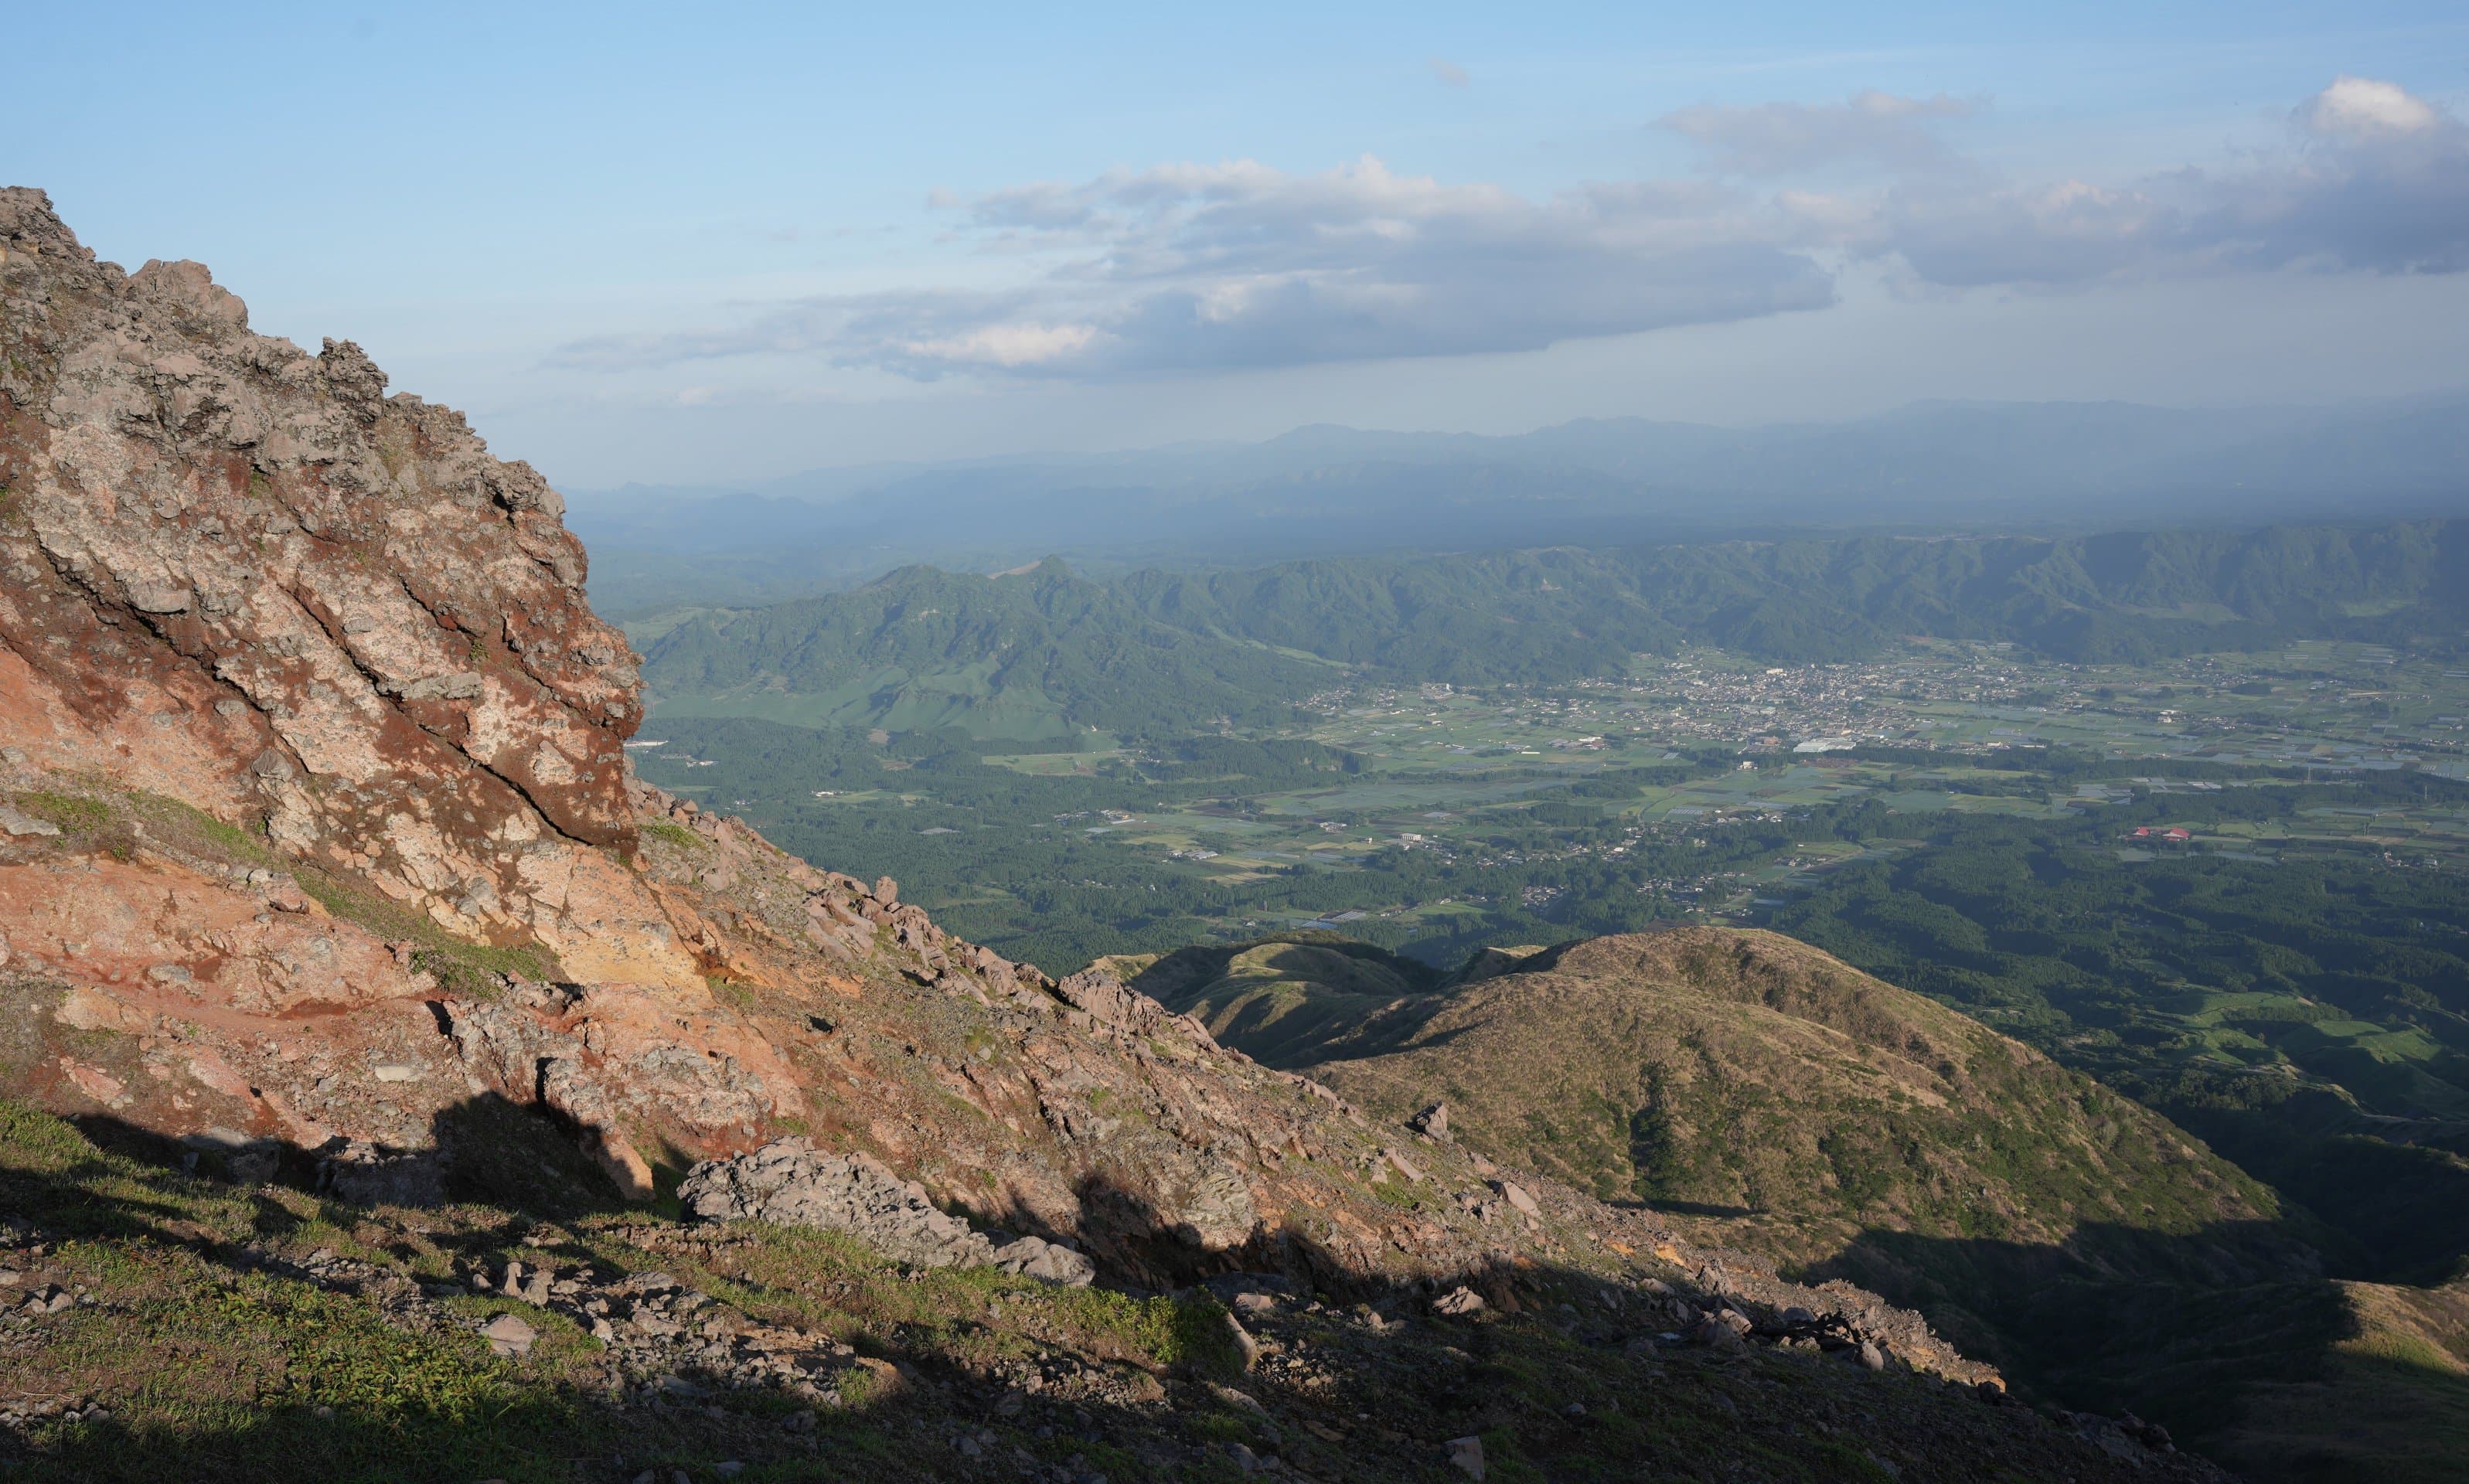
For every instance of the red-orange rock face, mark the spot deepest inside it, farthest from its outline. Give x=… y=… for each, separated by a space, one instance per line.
x=241 y=576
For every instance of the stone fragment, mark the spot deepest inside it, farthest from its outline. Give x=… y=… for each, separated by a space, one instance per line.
x=1433 y=1121
x=365 y=1174
x=1051 y=1262
x=20 y=825
x=1244 y=1344
x=1458 y=1302
x=1466 y=1455
x=509 y=1336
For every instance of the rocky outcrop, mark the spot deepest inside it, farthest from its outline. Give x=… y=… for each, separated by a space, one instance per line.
x=789 y=1182
x=1103 y=999
x=241 y=576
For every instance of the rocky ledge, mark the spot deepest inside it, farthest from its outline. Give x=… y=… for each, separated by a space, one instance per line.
x=789 y=1182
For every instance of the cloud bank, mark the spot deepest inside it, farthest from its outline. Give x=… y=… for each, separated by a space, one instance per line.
x=1200 y=268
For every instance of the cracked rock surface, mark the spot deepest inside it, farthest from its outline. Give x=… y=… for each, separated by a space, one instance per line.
x=251 y=580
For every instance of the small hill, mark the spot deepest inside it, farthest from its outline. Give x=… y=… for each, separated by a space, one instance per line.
x=1766 y=1097
x=1733 y=1071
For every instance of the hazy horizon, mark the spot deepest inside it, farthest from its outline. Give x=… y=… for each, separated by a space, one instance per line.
x=754 y=483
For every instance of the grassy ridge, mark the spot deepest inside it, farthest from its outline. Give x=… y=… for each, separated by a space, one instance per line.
x=1728 y=1069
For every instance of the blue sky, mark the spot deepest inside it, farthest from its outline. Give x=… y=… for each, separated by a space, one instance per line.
x=709 y=244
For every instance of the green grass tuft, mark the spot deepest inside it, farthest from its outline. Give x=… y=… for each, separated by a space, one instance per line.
x=76 y=813
x=676 y=835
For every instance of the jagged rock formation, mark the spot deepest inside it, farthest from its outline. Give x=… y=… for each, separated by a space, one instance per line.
x=241 y=576
x=321 y=859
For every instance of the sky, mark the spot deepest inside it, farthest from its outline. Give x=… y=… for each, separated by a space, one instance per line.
x=715 y=244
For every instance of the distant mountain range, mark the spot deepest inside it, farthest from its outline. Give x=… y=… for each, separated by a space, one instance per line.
x=1045 y=652
x=2052 y=468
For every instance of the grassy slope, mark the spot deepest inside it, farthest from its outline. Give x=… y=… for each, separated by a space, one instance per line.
x=1831 y=1121
x=1283 y=1003
x=1738 y=1070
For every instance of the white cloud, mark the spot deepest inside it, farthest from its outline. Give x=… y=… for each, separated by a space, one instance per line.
x=1197 y=267
x=1205 y=267
x=1008 y=346
x=1450 y=73
x=2362 y=107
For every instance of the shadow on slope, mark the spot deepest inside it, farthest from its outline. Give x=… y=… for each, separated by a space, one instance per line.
x=2282 y=1378
x=260 y=1333
x=1288 y=1000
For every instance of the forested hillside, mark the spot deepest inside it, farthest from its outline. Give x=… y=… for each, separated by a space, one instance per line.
x=1027 y=655
x=1046 y=653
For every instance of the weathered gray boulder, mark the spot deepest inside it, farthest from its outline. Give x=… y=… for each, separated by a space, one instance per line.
x=1036 y=1257
x=792 y=1183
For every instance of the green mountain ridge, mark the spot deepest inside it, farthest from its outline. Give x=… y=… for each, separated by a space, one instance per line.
x=1034 y=656
x=1043 y=654
x=1722 y=1068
